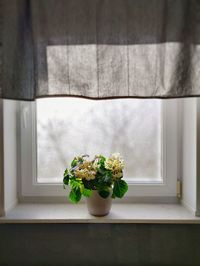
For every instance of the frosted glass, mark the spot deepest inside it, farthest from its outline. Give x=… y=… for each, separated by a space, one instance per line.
x=67 y=127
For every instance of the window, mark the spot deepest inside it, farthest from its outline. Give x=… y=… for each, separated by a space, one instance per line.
x=70 y=127
x=145 y=132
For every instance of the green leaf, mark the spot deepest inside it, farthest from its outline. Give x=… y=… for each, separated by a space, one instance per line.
x=75 y=184
x=87 y=192
x=104 y=193
x=113 y=196
x=120 y=188
x=74 y=163
x=108 y=177
x=66 y=180
x=66 y=172
x=101 y=171
x=66 y=177
x=101 y=161
x=75 y=195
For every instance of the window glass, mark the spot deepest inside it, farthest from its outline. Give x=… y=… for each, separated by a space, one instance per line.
x=67 y=127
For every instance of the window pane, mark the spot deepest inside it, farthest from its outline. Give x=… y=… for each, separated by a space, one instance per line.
x=67 y=127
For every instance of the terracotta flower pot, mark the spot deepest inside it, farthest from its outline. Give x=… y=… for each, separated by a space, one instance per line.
x=97 y=205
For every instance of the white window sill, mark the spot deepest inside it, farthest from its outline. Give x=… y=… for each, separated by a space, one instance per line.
x=120 y=213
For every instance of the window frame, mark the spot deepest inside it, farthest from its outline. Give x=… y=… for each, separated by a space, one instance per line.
x=29 y=188
x=1 y=161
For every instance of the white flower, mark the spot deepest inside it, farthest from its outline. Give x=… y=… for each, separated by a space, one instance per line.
x=116 y=156
x=115 y=164
x=85 y=171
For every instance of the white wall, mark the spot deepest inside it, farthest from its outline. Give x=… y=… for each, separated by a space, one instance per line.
x=10 y=153
x=1 y=161
x=189 y=153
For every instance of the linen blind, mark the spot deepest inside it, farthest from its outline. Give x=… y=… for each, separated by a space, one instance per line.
x=99 y=48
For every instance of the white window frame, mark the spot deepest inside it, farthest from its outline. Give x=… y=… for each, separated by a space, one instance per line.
x=29 y=188
x=1 y=161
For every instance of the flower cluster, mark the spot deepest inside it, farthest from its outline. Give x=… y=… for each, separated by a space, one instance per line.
x=115 y=164
x=101 y=174
x=85 y=170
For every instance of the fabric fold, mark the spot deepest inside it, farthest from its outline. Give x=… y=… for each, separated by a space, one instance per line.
x=99 y=48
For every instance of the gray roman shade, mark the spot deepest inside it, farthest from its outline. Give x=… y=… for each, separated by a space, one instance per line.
x=99 y=48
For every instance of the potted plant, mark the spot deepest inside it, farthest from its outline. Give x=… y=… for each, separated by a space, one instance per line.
x=99 y=180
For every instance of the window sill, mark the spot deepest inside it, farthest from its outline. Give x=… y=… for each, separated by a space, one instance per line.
x=120 y=213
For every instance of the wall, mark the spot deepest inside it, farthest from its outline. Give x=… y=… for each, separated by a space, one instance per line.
x=99 y=244
x=10 y=152
x=1 y=161
x=189 y=152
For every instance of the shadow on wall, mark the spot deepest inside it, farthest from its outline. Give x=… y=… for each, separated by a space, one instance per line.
x=99 y=244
